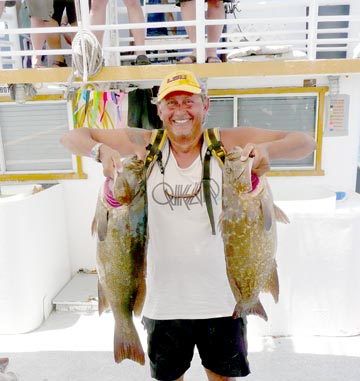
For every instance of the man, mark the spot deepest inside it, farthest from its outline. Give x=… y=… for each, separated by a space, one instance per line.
x=189 y=301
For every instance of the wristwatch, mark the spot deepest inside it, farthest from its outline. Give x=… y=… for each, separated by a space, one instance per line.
x=95 y=152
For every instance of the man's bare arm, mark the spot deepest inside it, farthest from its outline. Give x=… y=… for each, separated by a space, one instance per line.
x=116 y=144
x=266 y=145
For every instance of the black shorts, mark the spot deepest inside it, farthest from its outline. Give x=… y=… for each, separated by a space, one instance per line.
x=59 y=6
x=221 y=342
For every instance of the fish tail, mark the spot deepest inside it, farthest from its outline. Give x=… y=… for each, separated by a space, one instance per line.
x=280 y=215
x=257 y=309
x=127 y=344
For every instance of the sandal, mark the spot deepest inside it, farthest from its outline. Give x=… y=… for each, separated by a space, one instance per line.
x=142 y=59
x=187 y=60
x=59 y=64
x=213 y=59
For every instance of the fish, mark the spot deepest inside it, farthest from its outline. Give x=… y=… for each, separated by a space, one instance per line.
x=248 y=228
x=120 y=223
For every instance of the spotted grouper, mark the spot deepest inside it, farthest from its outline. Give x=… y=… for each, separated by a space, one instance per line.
x=248 y=225
x=120 y=224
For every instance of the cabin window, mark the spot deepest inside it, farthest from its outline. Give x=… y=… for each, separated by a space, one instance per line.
x=30 y=147
x=287 y=109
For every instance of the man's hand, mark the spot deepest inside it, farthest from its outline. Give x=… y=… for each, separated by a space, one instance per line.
x=261 y=163
x=110 y=160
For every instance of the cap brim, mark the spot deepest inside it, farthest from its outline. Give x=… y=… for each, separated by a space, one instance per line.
x=187 y=88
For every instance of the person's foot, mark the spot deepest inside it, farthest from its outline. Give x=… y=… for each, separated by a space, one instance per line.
x=59 y=64
x=142 y=59
x=187 y=60
x=213 y=59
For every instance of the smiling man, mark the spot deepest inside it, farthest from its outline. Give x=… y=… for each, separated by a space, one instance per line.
x=189 y=301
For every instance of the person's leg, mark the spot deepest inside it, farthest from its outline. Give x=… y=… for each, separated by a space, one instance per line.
x=222 y=346
x=37 y=41
x=136 y=15
x=170 y=347
x=2 y=5
x=98 y=17
x=40 y=13
x=216 y=377
x=188 y=12
x=54 y=42
x=215 y=11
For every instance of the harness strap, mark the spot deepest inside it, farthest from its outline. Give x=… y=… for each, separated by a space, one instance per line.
x=214 y=147
x=157 y=141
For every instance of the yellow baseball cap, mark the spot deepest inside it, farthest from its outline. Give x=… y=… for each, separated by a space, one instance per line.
x=181 y=80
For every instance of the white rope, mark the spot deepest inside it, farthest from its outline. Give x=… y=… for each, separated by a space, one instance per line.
x=87 y=58
x=85 y=43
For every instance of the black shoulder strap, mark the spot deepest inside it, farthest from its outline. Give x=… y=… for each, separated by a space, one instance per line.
x=215 y=147
x=154 y=149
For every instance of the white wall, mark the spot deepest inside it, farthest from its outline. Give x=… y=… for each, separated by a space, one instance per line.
x=339 y=161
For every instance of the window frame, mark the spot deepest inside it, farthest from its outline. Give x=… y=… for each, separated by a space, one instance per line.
x=77 y=166
x=320 y=117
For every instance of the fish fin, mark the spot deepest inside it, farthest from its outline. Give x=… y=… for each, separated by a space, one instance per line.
x=93 y=226
x=140 y=297
x=102 y=225
x=280 y=215
x=273 y=284
x=127 y=344
x=221 y=221
x=103 y=304
x=267 y=215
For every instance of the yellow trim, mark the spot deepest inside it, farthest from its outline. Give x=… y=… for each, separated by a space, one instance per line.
x=267 y=90
x=157 y=72
x=79 y=174
x=43 y=97
x=43 y=176
x=321 y=91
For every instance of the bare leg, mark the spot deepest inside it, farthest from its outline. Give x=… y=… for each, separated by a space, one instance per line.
x=188 y=12
x=215 y=377
x=215 y=11
x=180 y=379
x=136 y=15
x=98 y=16
x=54 y=42
x=37 y=40
x=2 y=5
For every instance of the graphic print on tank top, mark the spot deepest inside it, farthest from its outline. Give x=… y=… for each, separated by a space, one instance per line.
x=182 y=187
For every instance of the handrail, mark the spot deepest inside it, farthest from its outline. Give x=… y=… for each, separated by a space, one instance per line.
x=298 y=30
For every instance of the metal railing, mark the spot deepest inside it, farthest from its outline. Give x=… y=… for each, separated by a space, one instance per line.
x=298 y=24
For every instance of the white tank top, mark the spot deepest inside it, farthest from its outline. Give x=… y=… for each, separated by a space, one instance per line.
x=186 y=272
